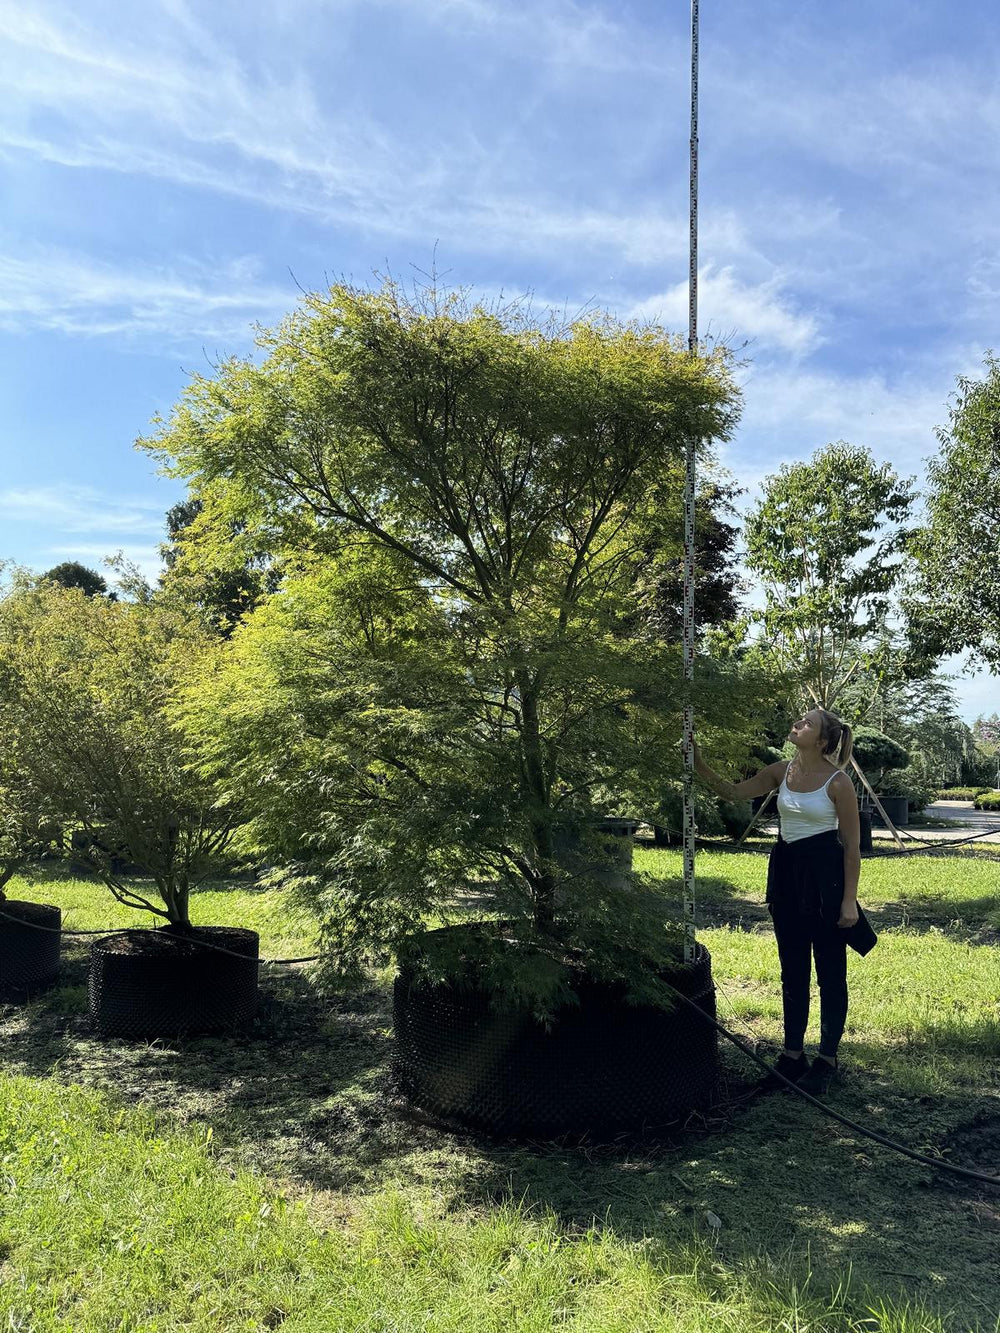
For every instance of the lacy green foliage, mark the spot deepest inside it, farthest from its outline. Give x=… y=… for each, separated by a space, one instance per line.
x=825 y=542
x=960 y=793
x=987 y=800
x=27 y=827
x=955 y=603
x=383 y=775
x=466 y=664
x=27 y=824
x=217 y=566
x=87 y=680
x=518 y=965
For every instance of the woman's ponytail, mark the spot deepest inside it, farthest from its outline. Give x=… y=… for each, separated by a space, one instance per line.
x=838 y=736
x=846 y=747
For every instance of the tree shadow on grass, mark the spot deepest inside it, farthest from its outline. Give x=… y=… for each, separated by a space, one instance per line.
x=60 y=870
x=56 y=870
x=306 y=1097
x=974 y=920
x=273 y=1089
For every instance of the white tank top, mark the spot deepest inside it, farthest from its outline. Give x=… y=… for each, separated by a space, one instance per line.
x=806 y=813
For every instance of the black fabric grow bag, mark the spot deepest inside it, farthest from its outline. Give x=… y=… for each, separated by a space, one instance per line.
x=154 y=983
x=29 y=957
x=896 y=807
x=602 y=1067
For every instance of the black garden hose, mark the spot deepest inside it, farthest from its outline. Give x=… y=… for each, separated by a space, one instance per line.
x=912 y=1153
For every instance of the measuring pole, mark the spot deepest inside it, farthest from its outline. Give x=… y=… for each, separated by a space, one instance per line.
x=689 y=491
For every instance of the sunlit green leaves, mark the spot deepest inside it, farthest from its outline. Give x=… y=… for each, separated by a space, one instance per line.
x=89 y=681
x=956 y=601
x=827 y=541
x=466 y=661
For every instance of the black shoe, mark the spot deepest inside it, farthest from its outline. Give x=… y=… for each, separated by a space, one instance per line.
x=818 y=1078
x=793 y=1068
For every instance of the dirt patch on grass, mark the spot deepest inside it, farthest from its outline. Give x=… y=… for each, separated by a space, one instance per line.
x=166 y=943
x=976 y=1146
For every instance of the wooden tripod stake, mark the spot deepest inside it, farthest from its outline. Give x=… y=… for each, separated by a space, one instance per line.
x=878 y=804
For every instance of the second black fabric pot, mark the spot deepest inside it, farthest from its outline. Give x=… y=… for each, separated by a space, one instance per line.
x=29 y=947
x=151 y=983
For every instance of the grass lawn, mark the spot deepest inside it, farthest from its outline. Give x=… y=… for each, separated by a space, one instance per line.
x=276 y=1181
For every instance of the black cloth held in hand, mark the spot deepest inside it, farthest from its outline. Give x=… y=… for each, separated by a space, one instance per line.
x=807 y=877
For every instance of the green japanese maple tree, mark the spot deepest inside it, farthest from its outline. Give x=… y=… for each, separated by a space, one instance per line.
x=465 y=666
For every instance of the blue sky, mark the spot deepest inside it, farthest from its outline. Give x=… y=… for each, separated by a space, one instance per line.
x=173 y=171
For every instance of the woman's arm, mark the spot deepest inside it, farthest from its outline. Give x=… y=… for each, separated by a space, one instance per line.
x=763 y=781
x=844 y=798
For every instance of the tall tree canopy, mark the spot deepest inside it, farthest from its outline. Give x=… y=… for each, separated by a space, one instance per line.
x=71 y=574
x=827 y=541
x=718 y=586
x=955 y=603
x=468 y=665
x=215 y=563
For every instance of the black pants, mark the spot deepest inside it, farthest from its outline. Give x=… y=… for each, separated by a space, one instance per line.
x=805 y=888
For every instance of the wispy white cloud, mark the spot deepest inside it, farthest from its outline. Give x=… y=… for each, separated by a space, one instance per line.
x=82 y=509
x=389 y=205
x=789 y=412
x=127 y=99
x=805 y=409
x=558 y=32
x=179 y=107
x=75 y=294
x=167 y=98
x=734 y=311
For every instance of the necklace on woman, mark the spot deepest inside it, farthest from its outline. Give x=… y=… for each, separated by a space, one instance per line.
x=796 y=770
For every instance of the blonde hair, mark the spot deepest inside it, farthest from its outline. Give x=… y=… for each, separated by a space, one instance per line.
x=837 y=736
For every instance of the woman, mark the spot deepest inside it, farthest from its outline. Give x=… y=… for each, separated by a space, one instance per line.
x=812 y=883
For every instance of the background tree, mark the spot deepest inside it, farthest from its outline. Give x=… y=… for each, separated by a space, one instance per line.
x=878 y=754
x=718 y=586
x=26 y=828
x=91 y=681
x=215 y=562
x=954 y=603
x=71 y=574
x=922 y=716
x=448 y=691
x=983 y=763
x=826 y=542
